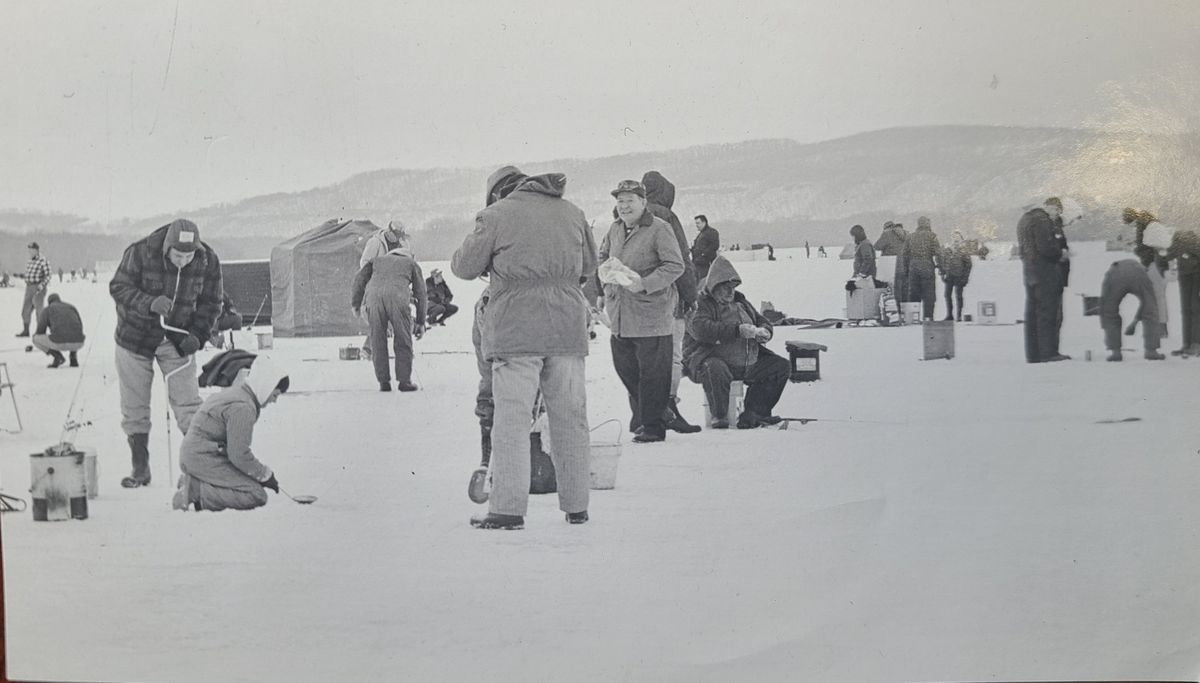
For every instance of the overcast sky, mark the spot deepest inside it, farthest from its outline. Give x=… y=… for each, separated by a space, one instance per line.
x=125 y=109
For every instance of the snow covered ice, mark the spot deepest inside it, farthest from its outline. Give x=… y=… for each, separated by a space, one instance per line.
x=961 y=520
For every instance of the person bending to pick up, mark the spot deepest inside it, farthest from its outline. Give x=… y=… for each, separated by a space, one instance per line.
x=1124 y=278
x=219 y=470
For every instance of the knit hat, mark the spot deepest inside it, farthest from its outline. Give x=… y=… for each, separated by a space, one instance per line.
x=923 y=222
x=630 y=186
x=502 y=181
x=182 y=235
x=1054 y=201
x=33 y=245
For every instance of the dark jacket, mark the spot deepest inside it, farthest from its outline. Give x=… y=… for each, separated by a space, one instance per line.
x=146 y=273
x=713 y=328
x=864 y=259
x=660 y=197
x=1185 y=246
x=1064 y=264
x=922 y=252
x=392 y=275
x=538 y=248
x=956 y=264
x=891 y=241
x=1040 y=251
x=63 y=321
x=438 y=292
x=705 y=248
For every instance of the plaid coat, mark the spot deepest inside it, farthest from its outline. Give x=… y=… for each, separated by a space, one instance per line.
x=145 y=273
x=37 y=271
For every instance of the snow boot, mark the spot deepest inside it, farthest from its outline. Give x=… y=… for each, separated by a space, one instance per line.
x=385 y=386
x=719 y=423
x=139 y=449
x=674 y=421
x=496 y=521
x=23 y=333
x=1154 y=355
x=577 y=517
x=649 y=436
x=1115 y=356
x=751 y=420
x=74 y=360
x=57 y=359
x=406 y=386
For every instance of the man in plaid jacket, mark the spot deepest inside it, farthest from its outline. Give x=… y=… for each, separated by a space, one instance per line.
x=37 y=279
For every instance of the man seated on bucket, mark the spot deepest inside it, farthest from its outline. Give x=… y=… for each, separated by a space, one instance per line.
x=219 y=469
x=725 y=341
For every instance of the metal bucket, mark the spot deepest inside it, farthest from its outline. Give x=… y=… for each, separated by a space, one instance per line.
x=603 y=460
x=58 y=486
x=266 y=340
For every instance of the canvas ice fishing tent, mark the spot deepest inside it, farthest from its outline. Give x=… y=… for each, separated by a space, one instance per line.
x=248 y=285
x=311 y=276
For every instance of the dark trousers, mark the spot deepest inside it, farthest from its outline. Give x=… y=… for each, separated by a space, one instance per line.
x=954 y=286
x=644 y=366
x=439 y=312
x=1189 y=307
x=765 y=381
x=1042 y=303
x=1115 y=287
x=380 y=314
x=923 y=287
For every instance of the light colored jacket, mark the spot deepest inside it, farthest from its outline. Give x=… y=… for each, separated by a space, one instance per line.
x=377 y=245
x=216 y=449
x=391 y=276
x=538 y=248
x=653 y=252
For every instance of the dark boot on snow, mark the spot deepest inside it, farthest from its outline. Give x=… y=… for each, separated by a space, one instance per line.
x=495 y=521
x=577 y=517
x=56 y=359
x=74 y=360
x=674 y=421
x=139 y=450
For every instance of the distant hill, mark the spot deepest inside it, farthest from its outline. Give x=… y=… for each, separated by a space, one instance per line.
x=974 y=178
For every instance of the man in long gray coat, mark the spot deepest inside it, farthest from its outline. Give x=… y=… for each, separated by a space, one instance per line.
x=382 y=287
x=538 y=249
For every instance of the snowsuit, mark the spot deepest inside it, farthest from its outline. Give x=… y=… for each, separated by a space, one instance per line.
x=1128 y=277
x=660 y=196
x=956 y=273
x=219 y=469
x=642 y=323
x=1040 y=256
x=704 y=250
x=439 y=296
x=1185 y=246
x=716 y=355
x=921 y=256
x=383 y=288
x=538 y=248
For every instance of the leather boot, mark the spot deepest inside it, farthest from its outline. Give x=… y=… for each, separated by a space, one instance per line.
x=485 y=446
x=139 y=450
x=674 y=421
x=56 y=359
x=74 y=360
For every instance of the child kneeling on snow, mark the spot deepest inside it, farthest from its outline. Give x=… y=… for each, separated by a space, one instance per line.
x=219 y=470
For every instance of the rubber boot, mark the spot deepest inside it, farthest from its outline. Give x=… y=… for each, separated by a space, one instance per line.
x=139 y=449
x=56 y=359
x=74 y=360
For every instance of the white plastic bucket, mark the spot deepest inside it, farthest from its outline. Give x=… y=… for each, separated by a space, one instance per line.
x=58 y=487
x=266 y=340
x=603 y=460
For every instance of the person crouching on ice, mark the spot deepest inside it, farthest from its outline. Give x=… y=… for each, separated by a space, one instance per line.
x=219 y=469
x=725 y=341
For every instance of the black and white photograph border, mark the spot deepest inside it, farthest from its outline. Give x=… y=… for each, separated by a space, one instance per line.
x=914 y=285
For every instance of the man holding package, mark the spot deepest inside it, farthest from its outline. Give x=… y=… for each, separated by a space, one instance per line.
x=640 y=261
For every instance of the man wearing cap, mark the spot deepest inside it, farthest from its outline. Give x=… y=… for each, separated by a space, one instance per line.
x=641 y=260
x=394 y=236
x=1041 y=254
x=59 y=329
x=37 y=279
x=168 y=293
x=440 y=297
x=537 y=249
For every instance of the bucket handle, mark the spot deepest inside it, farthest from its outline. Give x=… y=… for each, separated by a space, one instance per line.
x=611 y=419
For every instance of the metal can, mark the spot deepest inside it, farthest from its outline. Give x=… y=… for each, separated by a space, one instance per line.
x=1087 y=355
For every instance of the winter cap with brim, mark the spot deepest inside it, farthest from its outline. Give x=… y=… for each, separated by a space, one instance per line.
x=264 y=377
x=182 y=235
x=505 y=175
x=630 y=186
x=32 y=245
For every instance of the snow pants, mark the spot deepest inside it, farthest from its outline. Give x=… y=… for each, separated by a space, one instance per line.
x=35 y=301
x=216 y=498
x=135 y=374
x=515 y=384
x=1124 y=278
x=381 y=312
x=644 y=366
x=765 y=381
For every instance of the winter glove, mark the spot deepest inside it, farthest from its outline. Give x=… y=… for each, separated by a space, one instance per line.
x=271 y=483
x=762 y=335
x=189 y=345
x=161 y=305
x=747 y=331
x=418 y=331
x=1131 y=329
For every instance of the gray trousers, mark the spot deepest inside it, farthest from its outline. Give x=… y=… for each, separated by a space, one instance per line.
x=136 y=376
x=678 y=327
x=381 y=313
x=515 y=383
x=46 y=345
x=1123 y=279
x=35 y=300
x=484 y=406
